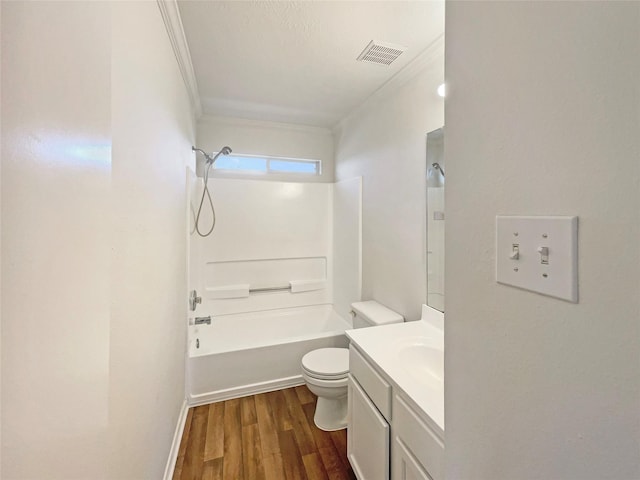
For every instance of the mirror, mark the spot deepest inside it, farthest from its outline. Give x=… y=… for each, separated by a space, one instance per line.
x=435 y=219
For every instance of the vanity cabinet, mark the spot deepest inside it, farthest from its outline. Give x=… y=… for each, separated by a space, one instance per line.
x=417 y=449
x=405 y=465
x=387 y=438
x=369 y=405
x=368 y=436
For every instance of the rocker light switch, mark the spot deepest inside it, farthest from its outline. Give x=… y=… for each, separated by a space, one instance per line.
x=538 y=254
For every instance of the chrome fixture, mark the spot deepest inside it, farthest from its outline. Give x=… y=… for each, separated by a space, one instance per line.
x=435 y=175
x=270 y=289
x=438 y=167
x=209 y=162
x=203 y=320
x=194 y=300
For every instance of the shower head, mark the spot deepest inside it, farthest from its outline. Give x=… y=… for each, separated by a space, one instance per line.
x=435 y=175
x=224 y=151
x=210 y=160
x=438 y=167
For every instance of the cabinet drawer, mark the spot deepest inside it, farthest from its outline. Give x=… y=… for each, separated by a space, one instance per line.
x=378 y=390
x=419 y=439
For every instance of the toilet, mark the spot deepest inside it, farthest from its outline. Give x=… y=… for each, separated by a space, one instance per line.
x=326 y=370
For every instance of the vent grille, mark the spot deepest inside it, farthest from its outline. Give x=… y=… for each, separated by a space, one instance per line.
x=381 y=53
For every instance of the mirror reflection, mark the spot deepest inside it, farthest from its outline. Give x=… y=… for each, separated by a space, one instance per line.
x=435 y=219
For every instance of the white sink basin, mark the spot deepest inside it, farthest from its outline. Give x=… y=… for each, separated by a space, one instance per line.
x=423 y=361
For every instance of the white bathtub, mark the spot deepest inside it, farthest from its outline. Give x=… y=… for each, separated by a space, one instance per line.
x=248 y=353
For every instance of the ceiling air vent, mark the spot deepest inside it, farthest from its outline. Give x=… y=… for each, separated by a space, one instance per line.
x=382 y=53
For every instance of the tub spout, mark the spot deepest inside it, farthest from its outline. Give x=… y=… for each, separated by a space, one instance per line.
x=202 y=320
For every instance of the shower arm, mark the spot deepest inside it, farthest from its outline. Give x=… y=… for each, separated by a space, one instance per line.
x=206 y=155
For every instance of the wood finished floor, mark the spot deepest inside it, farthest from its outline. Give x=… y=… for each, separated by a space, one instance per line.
x=270 y=436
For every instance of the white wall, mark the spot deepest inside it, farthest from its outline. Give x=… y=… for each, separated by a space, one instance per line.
x=384 y=142
x=347 y=245
x=93 y=242
x=543 y=118
x=253 y=137
x=153 y=130
x=0 y=252
x=56 y=227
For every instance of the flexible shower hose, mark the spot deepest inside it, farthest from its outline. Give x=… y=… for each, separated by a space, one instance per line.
x=213 y=210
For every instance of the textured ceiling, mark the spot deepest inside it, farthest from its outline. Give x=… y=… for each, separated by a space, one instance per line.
x=295 y=61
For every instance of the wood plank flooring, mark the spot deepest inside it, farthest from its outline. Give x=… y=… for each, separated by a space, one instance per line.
x=270 y=436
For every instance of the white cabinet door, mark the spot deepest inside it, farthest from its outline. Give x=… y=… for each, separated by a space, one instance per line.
x=405 y=465
x=418 y=438
x=367 y=436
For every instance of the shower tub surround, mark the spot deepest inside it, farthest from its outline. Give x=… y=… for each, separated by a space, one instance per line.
x=266 y=278
x=266 y=355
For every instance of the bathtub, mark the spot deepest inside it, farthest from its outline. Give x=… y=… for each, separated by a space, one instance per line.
x=248 y=353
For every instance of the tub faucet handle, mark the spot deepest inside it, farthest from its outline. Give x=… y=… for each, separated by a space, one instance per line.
x=194 y=300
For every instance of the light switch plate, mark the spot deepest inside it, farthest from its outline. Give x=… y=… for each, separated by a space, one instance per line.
x=529 y=236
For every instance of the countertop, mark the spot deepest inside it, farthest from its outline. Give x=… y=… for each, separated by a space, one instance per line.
x=411 y=355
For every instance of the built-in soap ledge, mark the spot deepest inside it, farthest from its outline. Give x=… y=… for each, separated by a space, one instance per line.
x=244 y=290
x=227 y=291
x=298 y=286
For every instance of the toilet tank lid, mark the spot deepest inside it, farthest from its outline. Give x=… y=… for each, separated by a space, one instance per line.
x=376 y=313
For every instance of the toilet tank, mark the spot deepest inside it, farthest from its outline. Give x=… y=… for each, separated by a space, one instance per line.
x=372 y=313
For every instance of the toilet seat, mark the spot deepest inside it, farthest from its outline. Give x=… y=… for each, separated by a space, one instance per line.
x=327 y=363
x=323 y=377
x=333 y=384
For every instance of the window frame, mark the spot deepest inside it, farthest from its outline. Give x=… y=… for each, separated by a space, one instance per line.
x=268 y=170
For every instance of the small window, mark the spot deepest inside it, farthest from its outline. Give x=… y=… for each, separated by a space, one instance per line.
x=233 y=162
x=273 y=165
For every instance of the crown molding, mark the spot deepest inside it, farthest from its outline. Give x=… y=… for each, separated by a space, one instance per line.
x=175 y=30
x=432 y=53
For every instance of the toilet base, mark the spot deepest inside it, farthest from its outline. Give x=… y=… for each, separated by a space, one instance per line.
x=331 y=414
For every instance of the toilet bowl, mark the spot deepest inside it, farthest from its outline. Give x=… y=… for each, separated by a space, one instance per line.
x=326 y=370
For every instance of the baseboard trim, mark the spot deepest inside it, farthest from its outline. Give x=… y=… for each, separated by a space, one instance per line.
x=175 y=444
x=245 y=390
